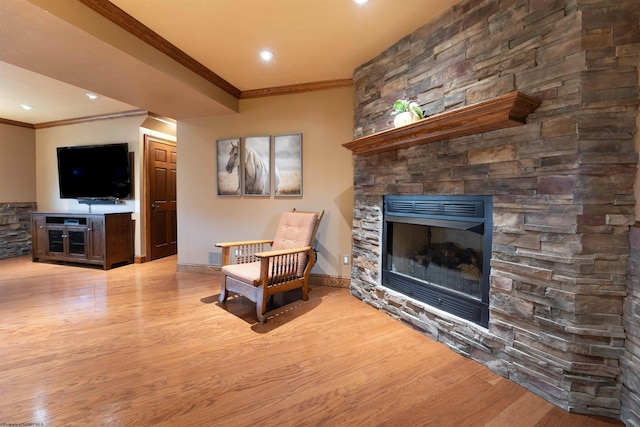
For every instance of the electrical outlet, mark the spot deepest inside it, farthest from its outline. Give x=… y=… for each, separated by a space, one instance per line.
x=345 y=259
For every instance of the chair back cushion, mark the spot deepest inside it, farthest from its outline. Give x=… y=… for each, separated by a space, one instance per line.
x=296 y=229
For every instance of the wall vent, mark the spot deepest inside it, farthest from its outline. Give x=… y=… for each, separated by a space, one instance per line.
x=215 y=258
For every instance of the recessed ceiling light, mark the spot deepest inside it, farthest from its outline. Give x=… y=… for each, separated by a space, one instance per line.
x=360 y=1
x=26 y=106
x=266 y=55
x=92 y=96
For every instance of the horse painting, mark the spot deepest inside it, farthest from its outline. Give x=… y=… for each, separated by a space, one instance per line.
x=256 y=170
x=287 y=160
x=233 y=162
x=256 y=173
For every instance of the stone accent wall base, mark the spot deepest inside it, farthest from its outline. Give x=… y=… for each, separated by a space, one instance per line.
x=15 y=229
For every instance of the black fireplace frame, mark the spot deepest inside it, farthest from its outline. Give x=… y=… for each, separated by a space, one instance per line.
x=473 y=213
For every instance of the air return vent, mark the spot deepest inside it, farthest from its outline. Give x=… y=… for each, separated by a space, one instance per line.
x=215 y=258
x=459 y=207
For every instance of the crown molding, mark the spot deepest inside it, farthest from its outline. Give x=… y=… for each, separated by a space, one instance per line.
x=128 y=23
x=16 y=123
x=297 y=88
x=162 y=118
x=119 y=17
x=132 y=113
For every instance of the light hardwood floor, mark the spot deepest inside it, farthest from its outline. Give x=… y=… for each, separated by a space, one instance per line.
x=142 y=345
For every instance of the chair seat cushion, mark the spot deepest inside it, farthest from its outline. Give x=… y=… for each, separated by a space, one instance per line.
x=248 y=272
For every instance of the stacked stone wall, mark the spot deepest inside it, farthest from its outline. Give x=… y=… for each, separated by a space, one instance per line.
x=15 y=229
x=630 y=361
x=562 y=184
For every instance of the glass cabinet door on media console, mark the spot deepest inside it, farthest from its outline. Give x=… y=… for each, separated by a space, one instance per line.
x=67 y=240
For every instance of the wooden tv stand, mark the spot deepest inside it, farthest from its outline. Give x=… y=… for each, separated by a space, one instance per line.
x=104 y=239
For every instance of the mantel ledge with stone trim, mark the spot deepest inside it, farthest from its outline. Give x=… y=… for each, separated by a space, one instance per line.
x=502 y=112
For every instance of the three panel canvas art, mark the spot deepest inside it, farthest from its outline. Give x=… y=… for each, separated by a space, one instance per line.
x=260 y=166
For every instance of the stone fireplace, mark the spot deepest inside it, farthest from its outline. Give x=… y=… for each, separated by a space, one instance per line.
x=561 y=185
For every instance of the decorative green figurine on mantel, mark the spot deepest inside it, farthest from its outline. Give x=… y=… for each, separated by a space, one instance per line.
x=406 y=111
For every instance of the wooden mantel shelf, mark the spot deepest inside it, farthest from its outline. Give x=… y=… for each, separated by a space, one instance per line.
x=505 y=111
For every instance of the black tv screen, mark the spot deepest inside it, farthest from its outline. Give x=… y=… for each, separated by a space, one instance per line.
x=94 y=172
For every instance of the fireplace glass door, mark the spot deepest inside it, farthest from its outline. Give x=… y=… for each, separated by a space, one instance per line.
x=444 y=257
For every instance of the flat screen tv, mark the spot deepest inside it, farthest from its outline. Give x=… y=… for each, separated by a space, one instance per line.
x=99 y=172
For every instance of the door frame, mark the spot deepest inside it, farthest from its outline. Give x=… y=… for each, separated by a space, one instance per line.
x=145 y=205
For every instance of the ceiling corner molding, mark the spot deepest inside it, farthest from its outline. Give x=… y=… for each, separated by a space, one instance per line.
x=128 y=23
x=16 y=123
x=132 y=113
x=162 y=118
x=297 y=88
x=159 y=124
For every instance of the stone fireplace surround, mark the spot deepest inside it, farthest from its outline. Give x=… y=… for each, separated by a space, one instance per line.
x=562 y=187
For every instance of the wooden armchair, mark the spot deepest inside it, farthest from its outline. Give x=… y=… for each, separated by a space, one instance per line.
x=260 y=273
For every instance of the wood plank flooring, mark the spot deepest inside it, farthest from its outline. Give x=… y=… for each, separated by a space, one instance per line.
x=142 y=345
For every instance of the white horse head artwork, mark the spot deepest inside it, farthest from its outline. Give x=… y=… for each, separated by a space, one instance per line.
x=256 y=173
x=256 y=170
x=233 y=162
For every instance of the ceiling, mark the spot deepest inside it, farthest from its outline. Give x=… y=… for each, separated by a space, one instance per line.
x=199 y=58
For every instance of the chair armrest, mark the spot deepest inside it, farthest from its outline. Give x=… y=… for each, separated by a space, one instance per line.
x=268 y=254
x=242 y=243
x=282 y=266
x=246 y=250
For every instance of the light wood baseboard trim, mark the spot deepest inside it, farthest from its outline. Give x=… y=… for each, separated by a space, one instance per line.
x=198 y=268
x=331 y=281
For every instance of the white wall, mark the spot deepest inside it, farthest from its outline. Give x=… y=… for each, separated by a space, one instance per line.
x=17 y=164
x=325 y=119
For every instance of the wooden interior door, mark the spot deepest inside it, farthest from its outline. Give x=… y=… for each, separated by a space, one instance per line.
x=161 y=159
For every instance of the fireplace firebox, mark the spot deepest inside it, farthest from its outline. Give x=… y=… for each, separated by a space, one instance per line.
x=437 y=250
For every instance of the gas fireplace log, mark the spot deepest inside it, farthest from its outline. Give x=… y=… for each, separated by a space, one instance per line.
x=449 y=255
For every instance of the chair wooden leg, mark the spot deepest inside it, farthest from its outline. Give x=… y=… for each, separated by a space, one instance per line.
x=305 y=292
x=223 y=290
x=261 y=304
